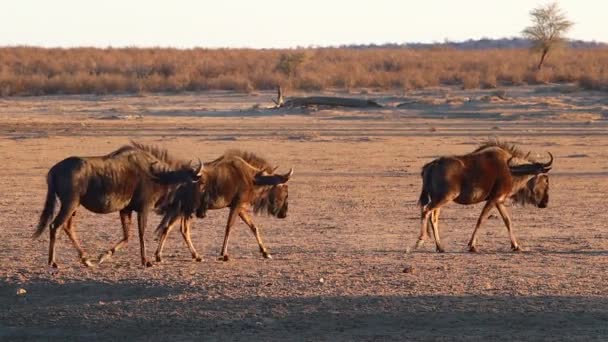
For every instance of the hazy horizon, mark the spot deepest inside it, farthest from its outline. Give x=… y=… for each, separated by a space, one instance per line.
x=277 y=24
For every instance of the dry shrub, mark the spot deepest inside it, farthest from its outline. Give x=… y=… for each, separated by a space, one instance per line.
x=39 y=71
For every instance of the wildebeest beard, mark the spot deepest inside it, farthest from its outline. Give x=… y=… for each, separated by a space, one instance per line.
x=526 y=196
x=266 y=202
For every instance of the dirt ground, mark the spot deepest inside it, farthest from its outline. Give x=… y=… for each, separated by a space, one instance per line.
x=339 y=256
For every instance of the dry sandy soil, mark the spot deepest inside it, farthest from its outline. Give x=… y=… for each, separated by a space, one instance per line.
x=339 y=257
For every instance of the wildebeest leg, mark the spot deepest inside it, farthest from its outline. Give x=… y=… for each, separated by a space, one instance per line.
x=68 y=207
x=125 y=221
x=53 y=238
x=256 y=231
x=185 y=229
x=507 y=220
x=424 y=232
x=142 y=218
x=69 y=229
x=231 y=218
x=484 y=212
x=426 y=215
x=163 y=236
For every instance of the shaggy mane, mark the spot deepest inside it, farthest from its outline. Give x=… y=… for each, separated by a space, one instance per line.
x=511 y=148
x=250 y=157
x=160 y=153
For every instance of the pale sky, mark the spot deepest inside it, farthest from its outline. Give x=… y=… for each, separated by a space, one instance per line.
x=277 y=24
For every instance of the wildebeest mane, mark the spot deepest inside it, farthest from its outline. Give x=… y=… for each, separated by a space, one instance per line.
x=159 y=153
x=511 y=148
x=251 y=158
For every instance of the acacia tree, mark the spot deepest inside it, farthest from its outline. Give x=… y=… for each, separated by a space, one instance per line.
x=549 y=25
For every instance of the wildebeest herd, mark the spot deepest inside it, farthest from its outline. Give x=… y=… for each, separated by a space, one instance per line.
x=143 y=178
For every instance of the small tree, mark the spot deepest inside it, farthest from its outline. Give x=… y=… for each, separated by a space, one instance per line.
x=549 y=24
x=289 y=63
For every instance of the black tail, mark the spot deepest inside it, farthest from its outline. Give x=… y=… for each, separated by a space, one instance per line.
x=425 y=198
x=49 y=207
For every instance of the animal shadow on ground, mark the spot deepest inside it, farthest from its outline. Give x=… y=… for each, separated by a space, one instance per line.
x=142 y=311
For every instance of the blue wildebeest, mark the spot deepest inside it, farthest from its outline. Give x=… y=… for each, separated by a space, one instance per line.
x=132 y=178
x=237 y=180
x=493 y=172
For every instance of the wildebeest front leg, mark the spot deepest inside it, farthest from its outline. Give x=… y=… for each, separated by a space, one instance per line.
x=142 y=218
x=507 y=220
x=185 y=229
x=163 y=235
x=482 y=216
x=231 y=218
x=69 y=229
x=256 y=231
x=125 y=221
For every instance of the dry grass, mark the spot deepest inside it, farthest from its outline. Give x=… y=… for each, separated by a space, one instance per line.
x=38 y=71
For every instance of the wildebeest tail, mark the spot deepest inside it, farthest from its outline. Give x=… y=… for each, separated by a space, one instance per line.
x=49 y=207
x=425 y=198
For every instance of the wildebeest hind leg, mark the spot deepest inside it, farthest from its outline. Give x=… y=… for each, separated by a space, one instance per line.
x=69 y=229
x=186 y=224
x=435 y=227
x=231 y=218
x=256 y=231
x=68 y=207
x=125 y=221
x=142 y=219
x=426 y=216
x=482 y=216
x=507 y=220
x=164 y=232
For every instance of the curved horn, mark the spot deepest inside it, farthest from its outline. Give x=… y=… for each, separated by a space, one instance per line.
x=288 y=174
x=199 y=168
x=548 y=164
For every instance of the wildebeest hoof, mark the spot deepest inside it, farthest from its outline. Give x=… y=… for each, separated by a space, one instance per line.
x=517 y=249
x=159 y=259
x=419 y=243
x=223 y=258
x=104 y=257
x=53 y=265
x=267 y=255
x=146 y=263
x=87 y=262
x=440 y=249
x=473 y=249
x=197 y=258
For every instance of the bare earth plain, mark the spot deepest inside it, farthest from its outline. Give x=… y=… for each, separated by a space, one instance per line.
x=340 y=255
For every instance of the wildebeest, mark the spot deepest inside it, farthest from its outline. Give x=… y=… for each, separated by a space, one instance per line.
x=132 y=178
x=492 y=173
x=237 y=180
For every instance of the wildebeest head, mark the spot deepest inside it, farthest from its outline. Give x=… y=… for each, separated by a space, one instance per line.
x=536 y=190
x=273 y=193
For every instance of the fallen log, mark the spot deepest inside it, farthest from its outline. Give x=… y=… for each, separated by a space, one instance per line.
x=330 y=101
